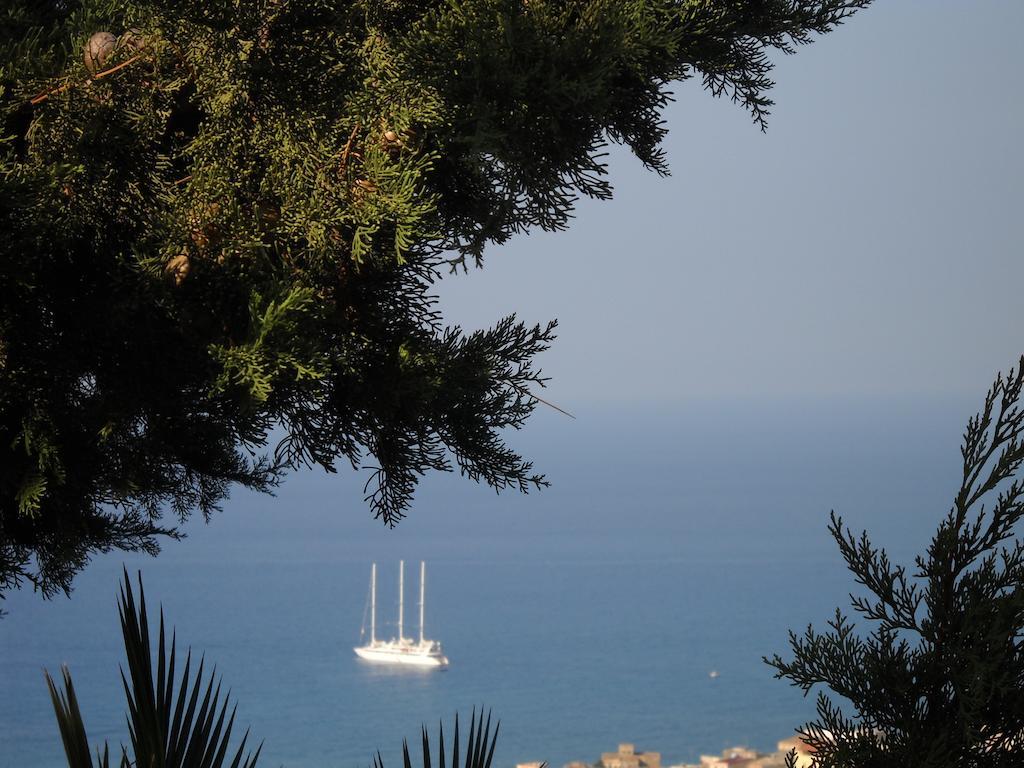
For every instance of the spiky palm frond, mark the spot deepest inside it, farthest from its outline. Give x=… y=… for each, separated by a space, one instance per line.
x=72 y=726
x=169 y=727
x=167 y=730
x=479 y=745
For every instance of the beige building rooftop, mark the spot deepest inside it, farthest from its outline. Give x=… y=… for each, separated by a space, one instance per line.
x=628 y=757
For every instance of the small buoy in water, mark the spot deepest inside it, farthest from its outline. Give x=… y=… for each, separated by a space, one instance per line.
x=713 y=674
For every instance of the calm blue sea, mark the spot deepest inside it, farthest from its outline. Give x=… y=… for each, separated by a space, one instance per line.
x=673 y=542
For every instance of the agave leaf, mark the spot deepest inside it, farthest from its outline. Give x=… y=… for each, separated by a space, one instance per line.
x=173 y=723
x=480 y=744
x=103 y=761
x=455 y=743
x=214 y=744
x=200 y=735
x=250 y=762
x=132 y=715
x=222 y=750
x=161 y=667
x=144 y=721
x=166 y=729
x=483 y=750
x=181 y=745
x=174 y=736
x=241 y=748
x=470 y=745
x=482 y=733
x=168 y=698
x=69 y=720
x=494 y=740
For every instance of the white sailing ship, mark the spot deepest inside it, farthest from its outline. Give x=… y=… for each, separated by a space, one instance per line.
x=401 y=649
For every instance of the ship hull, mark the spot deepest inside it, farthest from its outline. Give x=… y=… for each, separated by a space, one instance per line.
x=407 y=655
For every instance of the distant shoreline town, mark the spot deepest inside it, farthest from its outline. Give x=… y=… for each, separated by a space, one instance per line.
x=733 y=757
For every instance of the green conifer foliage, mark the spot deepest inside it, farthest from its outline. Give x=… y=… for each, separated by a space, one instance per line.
x=939 y=679
x=224 y=217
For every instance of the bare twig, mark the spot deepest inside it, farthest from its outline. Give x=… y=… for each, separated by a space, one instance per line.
x=347 y=150
x=98 y=76
x=528 y=393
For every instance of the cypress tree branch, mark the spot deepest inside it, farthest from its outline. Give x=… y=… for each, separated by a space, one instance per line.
x=939 y=680
x=238 y=233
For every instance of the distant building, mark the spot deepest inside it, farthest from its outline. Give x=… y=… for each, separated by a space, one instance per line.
x=804 y=751
x=536 y=764
x=628 y=757
x=577 y=764
x=742 y=757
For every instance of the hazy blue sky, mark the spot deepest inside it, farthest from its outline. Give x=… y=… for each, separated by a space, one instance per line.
x=868 y=244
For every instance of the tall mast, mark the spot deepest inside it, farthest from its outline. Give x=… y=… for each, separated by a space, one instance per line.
x=373 y=604
x=423 y=580
x=401 y=596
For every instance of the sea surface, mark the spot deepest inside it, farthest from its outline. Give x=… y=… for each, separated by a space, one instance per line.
x=674 y=541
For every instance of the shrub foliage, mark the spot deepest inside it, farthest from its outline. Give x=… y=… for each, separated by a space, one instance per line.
x=939 y=679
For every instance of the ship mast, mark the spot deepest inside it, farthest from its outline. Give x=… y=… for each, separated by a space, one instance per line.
x=401 y=597
x=373 y=604
x=423 y=578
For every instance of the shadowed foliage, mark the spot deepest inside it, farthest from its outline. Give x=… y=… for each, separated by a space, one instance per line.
x=939 y=680
x=479 y=745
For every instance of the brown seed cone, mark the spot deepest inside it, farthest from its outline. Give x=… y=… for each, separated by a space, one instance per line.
x=98 y=50
x=206 y=236
x=200 y=239
x=269 y=213
x=177 y=269
x=132 y=40
x=206 y=232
